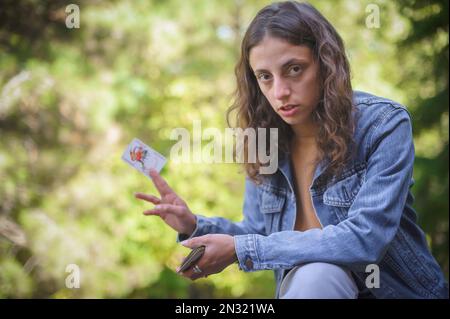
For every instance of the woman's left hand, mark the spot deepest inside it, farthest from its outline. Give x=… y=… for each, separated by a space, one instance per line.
x=219 y=254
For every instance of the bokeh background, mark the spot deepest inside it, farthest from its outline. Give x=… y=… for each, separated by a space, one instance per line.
x=72 y=99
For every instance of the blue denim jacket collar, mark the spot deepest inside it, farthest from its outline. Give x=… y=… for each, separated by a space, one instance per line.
x=284 y=165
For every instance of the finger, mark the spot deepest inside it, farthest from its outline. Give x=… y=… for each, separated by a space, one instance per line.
x=152 y=212
x=159 y=182
x=149 y=198
x=189 y=273
x=186 y=274
x=195 y=242
x=197 y=276
x=169 y=209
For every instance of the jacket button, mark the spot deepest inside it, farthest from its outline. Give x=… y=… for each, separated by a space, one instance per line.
x=248 y=263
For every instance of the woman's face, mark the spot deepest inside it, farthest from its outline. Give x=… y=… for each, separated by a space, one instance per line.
x=288 y=76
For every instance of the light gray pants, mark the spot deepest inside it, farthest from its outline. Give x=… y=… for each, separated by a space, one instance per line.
x=318 y=281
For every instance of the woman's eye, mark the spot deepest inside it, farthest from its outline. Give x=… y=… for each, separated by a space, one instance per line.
x=264 y=77
x=294 y=70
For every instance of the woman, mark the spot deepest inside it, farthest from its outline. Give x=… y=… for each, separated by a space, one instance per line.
x=336 y=219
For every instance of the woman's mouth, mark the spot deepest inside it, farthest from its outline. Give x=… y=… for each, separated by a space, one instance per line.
x=288 y=110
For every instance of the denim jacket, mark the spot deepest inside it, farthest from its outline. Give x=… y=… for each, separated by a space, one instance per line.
x=366 y=214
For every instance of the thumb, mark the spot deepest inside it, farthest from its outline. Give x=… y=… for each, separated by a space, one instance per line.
x=193 y=242
x=187 y=243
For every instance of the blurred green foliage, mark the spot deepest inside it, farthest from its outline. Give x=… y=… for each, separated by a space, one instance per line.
x=71 y=99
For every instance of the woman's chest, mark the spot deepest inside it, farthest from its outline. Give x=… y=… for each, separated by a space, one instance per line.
x=306 y=217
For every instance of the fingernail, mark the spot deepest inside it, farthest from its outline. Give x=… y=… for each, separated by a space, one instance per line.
x=184 y=242
x=157 y=206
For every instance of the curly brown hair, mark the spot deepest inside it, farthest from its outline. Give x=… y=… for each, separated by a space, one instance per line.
x=299 y=24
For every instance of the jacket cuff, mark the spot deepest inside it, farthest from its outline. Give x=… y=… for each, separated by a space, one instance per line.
x=246 y=252
x=201 y=228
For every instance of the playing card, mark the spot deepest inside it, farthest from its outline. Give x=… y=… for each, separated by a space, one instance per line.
x=142 y=157
x=192 y=258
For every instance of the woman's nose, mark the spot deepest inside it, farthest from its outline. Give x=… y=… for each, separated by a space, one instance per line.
x=281 y=89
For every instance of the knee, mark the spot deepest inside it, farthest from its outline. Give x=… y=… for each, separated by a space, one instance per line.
x=314 y=273
x=318 y=280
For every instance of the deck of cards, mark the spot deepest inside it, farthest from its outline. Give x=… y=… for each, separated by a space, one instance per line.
x=192 y=258
x=143 y=158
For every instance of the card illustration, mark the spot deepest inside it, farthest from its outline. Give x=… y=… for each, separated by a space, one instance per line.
x=142 y=157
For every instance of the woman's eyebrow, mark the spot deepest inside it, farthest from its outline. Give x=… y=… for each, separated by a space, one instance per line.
x=294 y=60
x=287 y=63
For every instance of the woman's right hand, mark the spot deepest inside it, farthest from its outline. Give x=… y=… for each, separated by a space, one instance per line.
x=170 y=207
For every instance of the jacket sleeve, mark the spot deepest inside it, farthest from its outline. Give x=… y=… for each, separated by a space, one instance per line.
x=373 y=219
x=252 y=223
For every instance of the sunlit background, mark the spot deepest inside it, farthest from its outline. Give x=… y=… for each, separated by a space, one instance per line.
x=72 y=99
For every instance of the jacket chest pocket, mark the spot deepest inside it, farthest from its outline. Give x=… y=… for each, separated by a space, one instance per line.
x=272 y=203
x=341 y=195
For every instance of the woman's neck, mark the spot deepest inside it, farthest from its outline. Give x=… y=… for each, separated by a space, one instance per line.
x=304 y=146
x=305 y=133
